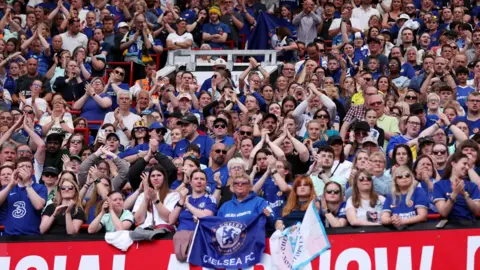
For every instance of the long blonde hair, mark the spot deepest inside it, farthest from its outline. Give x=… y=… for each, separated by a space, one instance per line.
x=76 y=198
x=396 y=194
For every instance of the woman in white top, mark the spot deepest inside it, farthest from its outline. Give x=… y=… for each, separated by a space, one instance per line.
x=39 y=104
x=365 y=205
x=58 y=121
x=154 y=206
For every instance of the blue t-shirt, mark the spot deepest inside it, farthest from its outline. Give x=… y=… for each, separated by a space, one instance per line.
x=228 y=141
x=163 y=148
x=341 y=213
x=10 y=84
x=404 y=209
x=432 y=209
x=272 y=194
x=22 y=218
x=474 y=126
x=92 y=111
x=216 y=29
x=407 y=70
x=211 y=185
x=460 y=210
x=185 y=219
x=204 y=142
x=118 y=15
x=243 y=211
x=462 y=94
x=43 y=61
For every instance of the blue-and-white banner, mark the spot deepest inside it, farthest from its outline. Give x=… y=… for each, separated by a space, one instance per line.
x=297 y=245
x=226 y=243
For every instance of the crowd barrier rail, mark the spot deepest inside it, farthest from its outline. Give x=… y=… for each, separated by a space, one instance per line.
x=421 y=246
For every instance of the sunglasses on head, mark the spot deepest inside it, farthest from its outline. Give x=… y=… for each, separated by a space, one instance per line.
x=239 y=184
x=364 y=178
x=248 y=133
x=405 y=175
x=336 y=192
x=218 y=151
x=67 y=188
x=220 y=126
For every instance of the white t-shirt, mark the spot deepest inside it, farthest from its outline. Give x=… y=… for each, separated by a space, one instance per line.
x=336 y=23
x=57 y=128
x=40 y=102
x=363 y=15
x=169 y=202
x=366 y=212
x=342 y=169
x=174 y=37
x=72 y=42
x=128 y=121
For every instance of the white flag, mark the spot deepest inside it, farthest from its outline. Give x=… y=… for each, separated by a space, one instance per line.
x=297 y=246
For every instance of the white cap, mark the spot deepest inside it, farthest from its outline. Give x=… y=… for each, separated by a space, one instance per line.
x=220 y=62
x=184 y=95
x=404 y=16
x=123 y=24
x=358 y=35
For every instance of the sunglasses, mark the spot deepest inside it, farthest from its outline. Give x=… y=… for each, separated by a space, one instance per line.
x=76 y=141
x=240 y=184
x=368 y=79
x=248 y=133
x=411 y=97
x=49 y=175
x=140 y=129
x=158 y=130
x=29 y=112
x=374 y=104
x=321 y=50
x=364 y=178
x=119 y=73
x=218 y=151
x=361 y=133
x=336 y=192
x=405 y=175
x=441 y=152
x=67 y=188
x=220 y=126
x=322 y=116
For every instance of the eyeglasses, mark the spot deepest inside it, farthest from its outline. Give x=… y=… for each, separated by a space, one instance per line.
x=374 y=104
x=119 y=73
x=248 y=133
x=37 y=85
x=240 y=184
x=414 y=123
x=411 y=97
x=409 y=7
x=67 y=188
x=440 y=152
x=237 y=168
x=322 y=116
x=49 y=175
x=433 y=100
x=178 y=165
x=76 y=141
x=405 y=175
x=336 y=192
x=364 y=178
x=218 y=151
x=220 y=126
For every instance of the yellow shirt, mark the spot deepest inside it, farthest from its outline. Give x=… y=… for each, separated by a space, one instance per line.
x=358 y=99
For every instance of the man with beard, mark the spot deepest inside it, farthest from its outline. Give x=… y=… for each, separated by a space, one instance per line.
x=53 y=156
x=471 y=53
x=73 y=38
x=323 y=164
x=218 y=154
x=215 y=32
x=189 y=124
x=269 y=125
x=25 y=81
x=472 y=118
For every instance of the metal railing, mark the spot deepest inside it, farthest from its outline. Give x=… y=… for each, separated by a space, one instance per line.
x=190 y=57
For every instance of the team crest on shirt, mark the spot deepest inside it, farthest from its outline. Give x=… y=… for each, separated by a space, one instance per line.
x=279 y=193
x=228 y=237
x=199 y=145
x=476 y=130
x=201 y=205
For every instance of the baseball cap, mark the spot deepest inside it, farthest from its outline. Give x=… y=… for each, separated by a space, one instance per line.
x=270 y=115
x=51 y=170
x=77 y=158
x=180 y=19
x=220 y=119
x=188 y=119
x=334 y=139
x=123 y=24
x=370 y=139
x=362 y=125
x=139 y=124
x=112 y=134
x=424 y=140
x=220 y=62
x=156 y=125
x=184 y=95
x=174 y=115
x=403 y=17
x=374 y=39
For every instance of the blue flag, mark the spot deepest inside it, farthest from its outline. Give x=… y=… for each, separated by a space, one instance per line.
x=265 y=29
x=227 y=243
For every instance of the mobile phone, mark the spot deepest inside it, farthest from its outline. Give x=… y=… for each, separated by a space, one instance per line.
x=442 y=224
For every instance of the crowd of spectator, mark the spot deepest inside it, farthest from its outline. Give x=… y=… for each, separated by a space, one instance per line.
x=374 y=115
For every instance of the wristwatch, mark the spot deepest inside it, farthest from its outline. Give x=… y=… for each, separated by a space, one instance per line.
x=273 y=172
x=125 y=129
x=179 y=205
x=326 y=211
x=62 y=122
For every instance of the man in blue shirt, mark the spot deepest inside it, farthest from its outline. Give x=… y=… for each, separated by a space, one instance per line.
x=215 y=33
x=220 y=127
x=24 y=199
x=189 y=124
x=218 y=153
x=473 y=113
